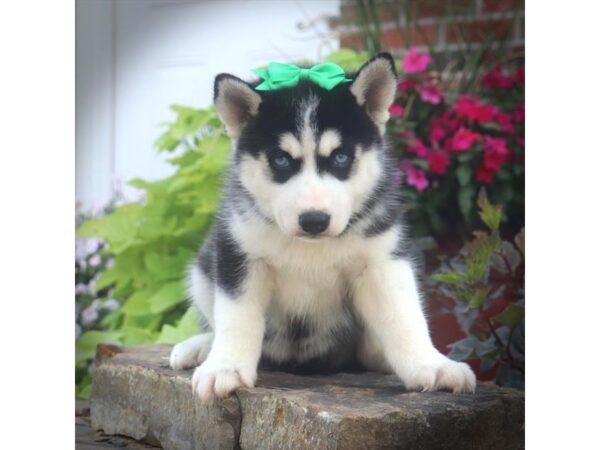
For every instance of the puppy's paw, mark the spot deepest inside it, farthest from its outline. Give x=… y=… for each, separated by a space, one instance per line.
x=444 y=374
x=191 y=352
x=214 y=379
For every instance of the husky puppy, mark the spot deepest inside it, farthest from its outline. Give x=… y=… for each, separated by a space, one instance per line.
x=307 y=267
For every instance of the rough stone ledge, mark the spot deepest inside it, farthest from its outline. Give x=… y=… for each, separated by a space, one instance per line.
x=136 y=394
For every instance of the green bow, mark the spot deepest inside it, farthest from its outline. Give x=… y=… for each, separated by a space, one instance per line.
x=278 y=75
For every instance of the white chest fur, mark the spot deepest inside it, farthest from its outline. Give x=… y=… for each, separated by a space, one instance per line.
x=311 y=278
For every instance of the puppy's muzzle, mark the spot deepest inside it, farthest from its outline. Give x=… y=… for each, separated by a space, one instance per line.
x=314 y=222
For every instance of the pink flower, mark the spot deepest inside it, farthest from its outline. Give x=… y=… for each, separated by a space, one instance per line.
x=466 y=106
x=496 y=79
x=430 y=93
x=495 y=153
x=472 y=109
x=485 y=113
x=438 y=162
x=463 y=140
x=396 y=110
x=415 y=176
x=415 y=145
x=484 y=175
x=437 y=132
x=415 y=61
x=519 y=113
x=407 y=84
x=505 y=122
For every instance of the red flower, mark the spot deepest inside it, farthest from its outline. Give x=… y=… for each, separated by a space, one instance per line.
x=430 y=93
x=472 y=109
x=463 y=140
x=519 y=112
x=496 y=79
x=396 y=110
x=414 y=176
x=519 y=76
x=486 y=113
x=484 y=175
x=466 y=106
x=437 y=132
x=505 y=122
x=417 y=147
x=438 y=162
x=407 y=84
x=495 y=153
x=415 y=61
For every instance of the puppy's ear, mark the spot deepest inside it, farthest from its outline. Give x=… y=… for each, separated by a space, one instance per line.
x=236 y=102
x=374 y=87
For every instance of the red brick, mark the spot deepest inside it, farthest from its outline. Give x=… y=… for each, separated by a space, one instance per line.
x=502 y=5
x=440 y=8
x=399 y=38
x=387 y=11
x=352 y=40
x=478 y=31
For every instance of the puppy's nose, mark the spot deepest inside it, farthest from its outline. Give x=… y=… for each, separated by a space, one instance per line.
x=314 y=222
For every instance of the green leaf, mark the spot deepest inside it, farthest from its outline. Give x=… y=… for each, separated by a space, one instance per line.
x=512 y=315
x=466 y=195
x=168 y=296
x=349 y=59
x=463 y=349
x=490 y=214
x=465 y=157
x=449 y=277
x=108 y=277
x=84 y=390
x=138 y=303
x=187 y=327
x=464 y=174
x=476 y=297
x=136 y=336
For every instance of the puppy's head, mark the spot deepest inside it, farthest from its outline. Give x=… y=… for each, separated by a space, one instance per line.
x=309 y=157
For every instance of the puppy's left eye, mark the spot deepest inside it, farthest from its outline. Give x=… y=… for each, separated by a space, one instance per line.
x=340 y=159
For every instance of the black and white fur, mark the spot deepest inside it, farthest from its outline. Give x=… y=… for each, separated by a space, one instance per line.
x=289 y=295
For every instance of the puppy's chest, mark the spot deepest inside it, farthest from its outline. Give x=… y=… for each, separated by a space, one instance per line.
x=310 y=318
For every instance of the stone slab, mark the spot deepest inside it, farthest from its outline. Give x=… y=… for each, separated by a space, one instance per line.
x=136 y=394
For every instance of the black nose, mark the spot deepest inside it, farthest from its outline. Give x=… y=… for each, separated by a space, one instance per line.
x=314 y=222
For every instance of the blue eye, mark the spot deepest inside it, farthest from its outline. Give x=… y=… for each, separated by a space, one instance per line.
x=281 y=161
x=341 y=159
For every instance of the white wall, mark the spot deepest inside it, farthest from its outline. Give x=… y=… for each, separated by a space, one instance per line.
x=135 y=58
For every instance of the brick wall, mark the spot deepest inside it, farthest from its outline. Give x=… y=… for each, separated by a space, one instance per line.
x=438 y=25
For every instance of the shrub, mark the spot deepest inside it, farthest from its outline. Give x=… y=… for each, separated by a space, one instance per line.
x=151 y=242
x=483 y=287
x=452 y=143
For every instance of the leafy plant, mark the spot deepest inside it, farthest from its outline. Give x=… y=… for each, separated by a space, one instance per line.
x=485 y=284
x=452 y=144
x=150 y=243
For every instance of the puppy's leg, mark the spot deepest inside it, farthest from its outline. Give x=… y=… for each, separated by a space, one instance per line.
x=387 y=299
x=238 y=334
x=191 y=352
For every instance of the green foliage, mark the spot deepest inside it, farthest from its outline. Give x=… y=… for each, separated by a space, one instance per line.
x=151 y=242
x=486 y=274
x=350 y=60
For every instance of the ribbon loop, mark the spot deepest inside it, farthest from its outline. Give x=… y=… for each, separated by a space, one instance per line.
x=278 y=75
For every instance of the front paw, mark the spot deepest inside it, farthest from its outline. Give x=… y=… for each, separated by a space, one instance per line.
x=217 y=379
x=443 y=374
